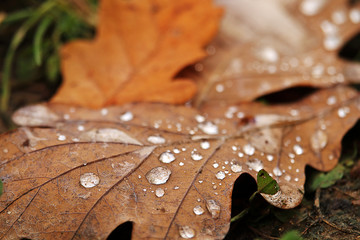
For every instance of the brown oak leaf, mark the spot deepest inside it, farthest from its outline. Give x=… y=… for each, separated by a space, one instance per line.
x=139 y=47
x=269 y=45
x=74 y=173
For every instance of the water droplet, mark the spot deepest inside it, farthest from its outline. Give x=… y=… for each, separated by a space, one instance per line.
x=240 y=154
x=342 y=112
x=318 y=140
x=62 y=138
x=156 y=139
x=205 y=145
x=215 y=165
x=255 y=164
x=5 y=150
x=127 y=116
x=277 y=171
x=209 y=128
x=269 y=54
x=196 y=156
x=355 y=15
x=291 y=155
x=296 y=179
x=181 y=164
x=311 y=7
x=200 y=118
x=331 y=100
x=287 y=178
x=270 y=157
x=158 y=175
x=80 y=128
x=166 y=157
x=317 y=71
x=159 y=192
x=176 y=187
x=104 y=111
x=332 y=42
x=66 y=116
x=298 y=149
x=220 y=175
x=198 y=210
x=249 y=150
x=339 y=17
x=219 y=88
x=176 y=150
x=294 y=112
x=186 y=232
x=234 y=148
x=213 y=207
x=89 y=180
x=236 y=168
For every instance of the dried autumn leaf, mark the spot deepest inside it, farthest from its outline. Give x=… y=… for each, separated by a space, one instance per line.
x=270 y=45
x=139 y=47
x=168 y=169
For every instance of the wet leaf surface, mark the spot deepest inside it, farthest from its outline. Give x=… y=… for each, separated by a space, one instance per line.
x=168 y=169
x=270 y=45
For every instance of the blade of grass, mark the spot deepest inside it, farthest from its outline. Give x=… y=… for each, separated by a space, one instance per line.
x=18 y=15
x=15 y=42
x=38 y=38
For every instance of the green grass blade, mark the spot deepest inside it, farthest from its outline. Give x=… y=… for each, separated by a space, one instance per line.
x=38 y=39
x=18 y=15
x=15 y=42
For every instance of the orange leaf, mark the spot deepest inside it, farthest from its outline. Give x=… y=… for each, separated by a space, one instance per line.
x=139 y=47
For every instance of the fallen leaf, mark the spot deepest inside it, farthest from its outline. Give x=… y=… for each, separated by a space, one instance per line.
x=168 y=169
x=269 y=45
x=139 y=48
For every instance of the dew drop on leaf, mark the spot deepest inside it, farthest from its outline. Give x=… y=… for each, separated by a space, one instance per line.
x=198 y=210
x=127 y=116
x=270 y=158
x=196 y=156
x=277 y=171
x=236 y=168
x=186 y=232
x=213 y=207
x=215 y=165
x=298 y=149
x=249 y=150
x=159 y=192
x=255 y=164
x=89 y=180
x=200 y=118
x=209 y=128
x=166 y=157
x=205 y=145
x=62 y=138
x=156 y=139
x=220 y=175
x=318 y=140
x=158 y=175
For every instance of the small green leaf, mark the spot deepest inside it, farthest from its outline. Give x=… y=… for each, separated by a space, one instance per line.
x=291 y=235
x=325 y=180
x=266 y=184
x=1 y=187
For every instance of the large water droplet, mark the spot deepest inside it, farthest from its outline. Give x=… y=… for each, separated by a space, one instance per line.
x=186 y=232
x=318 y=140
x=166 y=157
x=158 y=175
x=269 y=54
x=213 y=207
x=127 y=116
x=255 y=164
x=209 y=128
x=89 y=180
x=355 y=15
x=342 y=112
x=156 y=139
x=270 y=157
x=298 y=149
x=196 y=156
x=159 y=192
x=236 y=168
x=200 y=118
x=205 y=145
x=332 y=42
x=220 y=175
x=249 y=150
x=198 y=210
